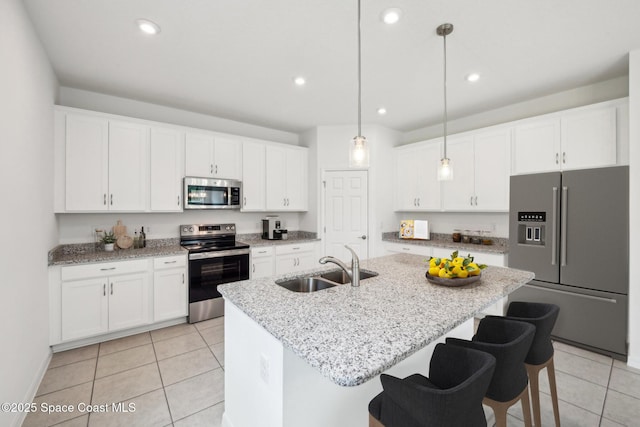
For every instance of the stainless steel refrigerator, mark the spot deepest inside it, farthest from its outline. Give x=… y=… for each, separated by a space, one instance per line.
x=572 y=230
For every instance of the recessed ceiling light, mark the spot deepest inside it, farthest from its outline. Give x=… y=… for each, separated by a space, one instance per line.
x=148 y=27
x=391 y=15
x=473 y=77
x=382 y=111
x=299 y=81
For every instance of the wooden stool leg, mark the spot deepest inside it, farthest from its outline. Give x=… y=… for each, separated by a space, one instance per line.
x=526 y=409
x=533 y=371
x=499 y=410
x=374 y=422
x=551 y=372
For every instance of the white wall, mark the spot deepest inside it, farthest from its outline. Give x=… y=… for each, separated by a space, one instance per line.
x=87 y=100
x=634 y=208
x=333 y=154
x=585 y=95
x=28 y=87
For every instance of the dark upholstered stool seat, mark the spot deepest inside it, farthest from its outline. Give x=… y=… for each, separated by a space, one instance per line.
x=451 y=396
x=543 y=317
x=509 y=342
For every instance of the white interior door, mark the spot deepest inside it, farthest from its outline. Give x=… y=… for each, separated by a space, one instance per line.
x=346 y=214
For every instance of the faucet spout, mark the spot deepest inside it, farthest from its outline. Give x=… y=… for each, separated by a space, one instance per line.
x=353 y=273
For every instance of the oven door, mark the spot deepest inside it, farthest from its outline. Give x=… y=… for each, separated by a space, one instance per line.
x=207 y=270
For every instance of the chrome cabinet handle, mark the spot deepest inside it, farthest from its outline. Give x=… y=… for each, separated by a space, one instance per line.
x=104 y=199
x=253 y=268
x=107 y=269
x=476 y=200
x=418 y=201
x=415 y=202
x=564 y=157
x=111 y=288
x=284 y=201
x=406 y=249
x=211 y=168
x=178 y=200
x=104 y=289
x=111 y=199
x=216 y=169
x=171 y=262
x=363 y=237
x=245 y=201
x=182 y=278
x=556 y=158
x=471 y=200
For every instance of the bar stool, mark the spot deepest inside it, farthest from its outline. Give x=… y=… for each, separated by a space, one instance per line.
x=509 y=342
x=450 y=397
x=543 y=317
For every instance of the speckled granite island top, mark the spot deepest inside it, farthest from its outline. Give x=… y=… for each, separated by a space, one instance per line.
x=352 y=334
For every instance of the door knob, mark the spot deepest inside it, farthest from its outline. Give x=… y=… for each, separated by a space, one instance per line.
x=363 y=237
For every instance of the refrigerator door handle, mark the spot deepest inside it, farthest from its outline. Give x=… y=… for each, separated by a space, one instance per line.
x=610 y=300
x=563 y=226
x=554 y=228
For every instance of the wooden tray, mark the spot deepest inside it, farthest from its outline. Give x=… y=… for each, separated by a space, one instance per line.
x=452 y=282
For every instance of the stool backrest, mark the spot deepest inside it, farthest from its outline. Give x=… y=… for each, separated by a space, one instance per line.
x=543 y=317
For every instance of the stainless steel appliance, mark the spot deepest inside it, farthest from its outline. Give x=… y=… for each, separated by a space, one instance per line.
x=215 y=257
x=572 y=230
x=208 y=193
x=272 y=228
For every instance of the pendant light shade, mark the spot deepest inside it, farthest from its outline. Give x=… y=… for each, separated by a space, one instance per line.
x=445 y=171
x=359 y=148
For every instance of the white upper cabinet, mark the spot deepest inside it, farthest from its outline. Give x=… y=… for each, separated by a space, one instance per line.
x=106 y=164
x=167 y=169
x=481 y=163
x=209 y=155
x=286 y=178
x=253 y=176
x=417 y=187
x=128 y=166
x=574 y=139
x=86 y=148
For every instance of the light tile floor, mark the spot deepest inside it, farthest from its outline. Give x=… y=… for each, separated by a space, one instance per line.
x=175 y=377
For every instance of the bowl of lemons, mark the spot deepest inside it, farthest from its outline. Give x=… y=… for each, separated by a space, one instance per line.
x=454 y=271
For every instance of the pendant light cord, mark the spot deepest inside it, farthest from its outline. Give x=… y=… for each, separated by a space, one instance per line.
x=359 y=79
x=445 y=95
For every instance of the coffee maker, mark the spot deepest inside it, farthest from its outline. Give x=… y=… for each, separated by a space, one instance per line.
x=271 y=228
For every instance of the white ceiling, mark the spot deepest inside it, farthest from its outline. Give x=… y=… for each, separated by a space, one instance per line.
x=236 y=59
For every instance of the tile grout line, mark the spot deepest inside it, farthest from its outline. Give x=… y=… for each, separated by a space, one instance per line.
x=93 y=383
x=164 y=389
x=606 y=393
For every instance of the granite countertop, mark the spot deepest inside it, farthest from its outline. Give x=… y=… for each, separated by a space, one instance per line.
x=82 y=253
x=352 y=334
x=293 y=237
x=499 y=246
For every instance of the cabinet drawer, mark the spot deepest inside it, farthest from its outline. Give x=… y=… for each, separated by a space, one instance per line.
x=409 y=249
x=103 y=269
x=296 y=248
x=262 y=251
x=169 y=262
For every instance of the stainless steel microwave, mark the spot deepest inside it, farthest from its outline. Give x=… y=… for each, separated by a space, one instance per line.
x=210 y=193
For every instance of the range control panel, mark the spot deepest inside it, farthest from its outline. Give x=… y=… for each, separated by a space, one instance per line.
x=531 y=228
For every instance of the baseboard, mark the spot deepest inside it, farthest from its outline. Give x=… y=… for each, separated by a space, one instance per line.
x=33 y=389
x=633 y=362
x=225 y=420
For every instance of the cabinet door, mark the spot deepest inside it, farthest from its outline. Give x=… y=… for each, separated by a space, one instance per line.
x=170 y=297
x=537 y=146
x=427 y=160
x=261 y=267
x=129 y=301
x=276 y=178
x=84 y=308
x=296 y=179
x=286 y=263
x=307 y=260
x=589 y=139
x=167 y=169
x=458 y=193
x=492 y=164
x=253 y=176
x=227 y=157
x=406 y=180
x=86 y=163
x=199 y=150
x=128 y=166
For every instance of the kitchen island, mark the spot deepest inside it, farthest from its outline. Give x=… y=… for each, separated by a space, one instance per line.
x=294 y=359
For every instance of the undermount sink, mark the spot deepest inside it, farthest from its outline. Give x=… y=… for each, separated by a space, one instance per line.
x=305 y=284
x=324 y=281
x=342 y=278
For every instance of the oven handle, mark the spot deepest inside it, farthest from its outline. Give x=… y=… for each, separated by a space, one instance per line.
x=218 y=254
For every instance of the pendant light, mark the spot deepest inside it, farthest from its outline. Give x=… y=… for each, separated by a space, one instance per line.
x=445 y=172
x=359 y=149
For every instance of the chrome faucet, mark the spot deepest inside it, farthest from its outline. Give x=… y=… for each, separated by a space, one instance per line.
x=354 y=273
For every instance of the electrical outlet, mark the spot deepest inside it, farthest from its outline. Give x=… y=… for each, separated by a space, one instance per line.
x=264 y=368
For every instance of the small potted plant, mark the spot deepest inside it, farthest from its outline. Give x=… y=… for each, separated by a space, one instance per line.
x=109 y=240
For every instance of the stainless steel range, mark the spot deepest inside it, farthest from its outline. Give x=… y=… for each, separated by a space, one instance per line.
x=214 y=258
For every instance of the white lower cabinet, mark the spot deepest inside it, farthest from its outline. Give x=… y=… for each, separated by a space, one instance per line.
x=409 y=248
x=89 y=300
x=170 y=290
x=262 y=262
x=296 y=257
x=100 y=298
